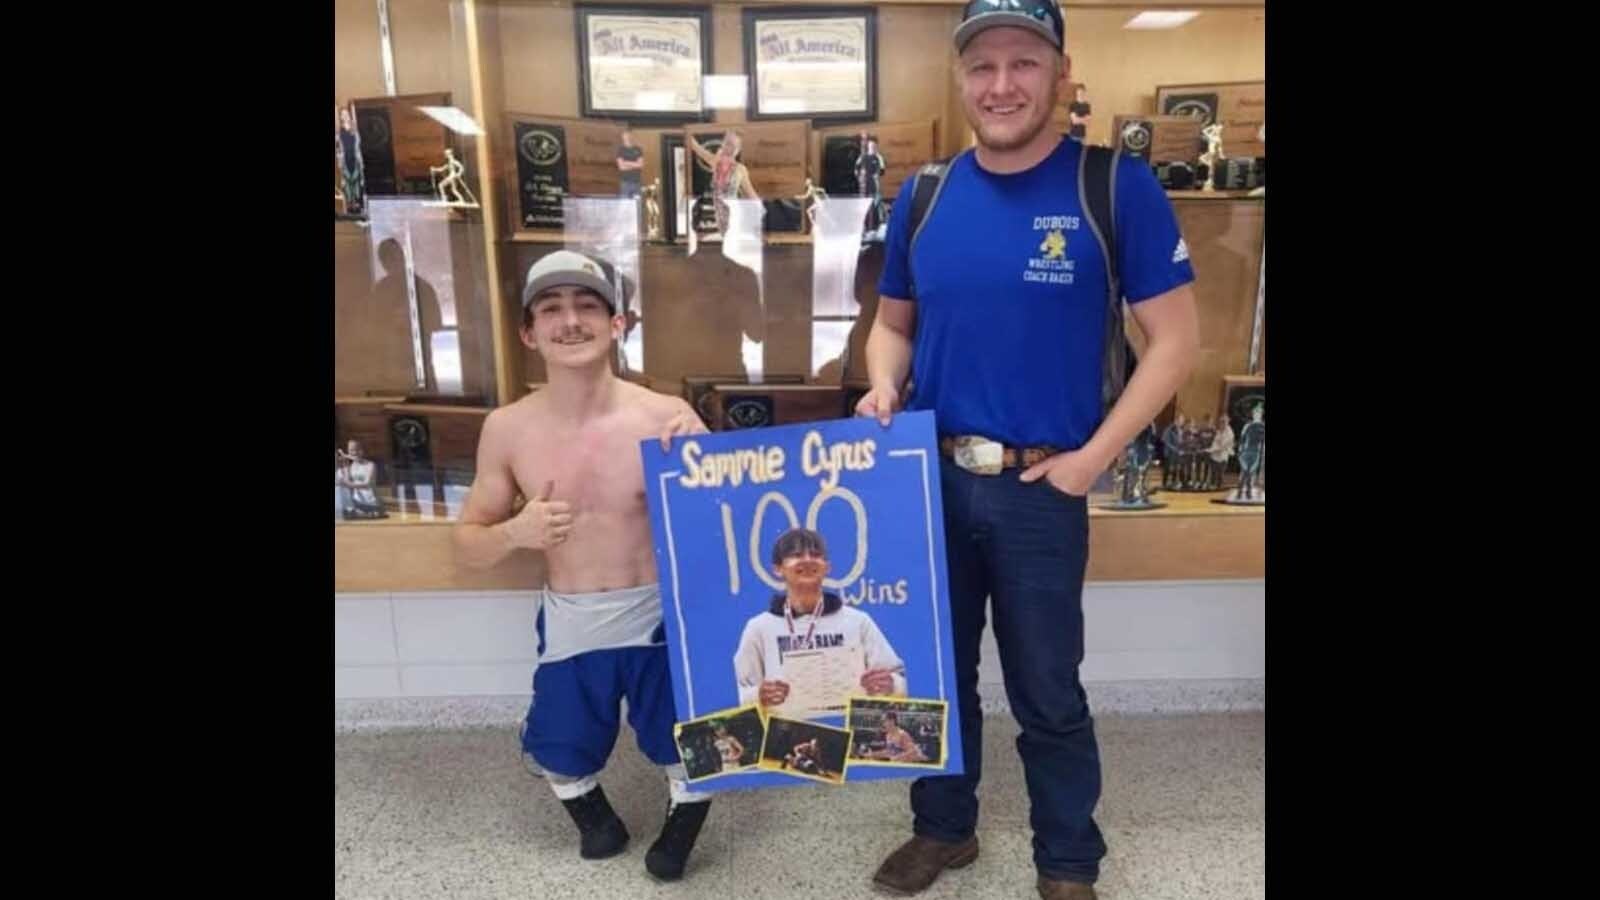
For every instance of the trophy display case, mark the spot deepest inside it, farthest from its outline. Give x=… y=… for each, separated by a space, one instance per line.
x=738 y=208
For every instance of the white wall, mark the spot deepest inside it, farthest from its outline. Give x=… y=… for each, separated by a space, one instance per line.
x=1170 y=646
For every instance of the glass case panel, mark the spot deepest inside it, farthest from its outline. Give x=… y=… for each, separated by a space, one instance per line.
x=731 y=166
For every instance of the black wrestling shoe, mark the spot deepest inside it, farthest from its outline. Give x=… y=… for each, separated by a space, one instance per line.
x=602 y=833
x=670 y=853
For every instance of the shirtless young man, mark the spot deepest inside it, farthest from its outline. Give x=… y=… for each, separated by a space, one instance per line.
x=572 y=450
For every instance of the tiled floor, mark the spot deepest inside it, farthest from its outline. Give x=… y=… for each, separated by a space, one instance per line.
x=437 y=815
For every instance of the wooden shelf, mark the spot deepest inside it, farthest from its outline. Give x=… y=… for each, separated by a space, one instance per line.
x=370 y=400
x=1189 y=540
x=560 y=237
x=436 y=409
x=393 y=555
x=1178 y=504
x=1177 y=547
x=1214 y=195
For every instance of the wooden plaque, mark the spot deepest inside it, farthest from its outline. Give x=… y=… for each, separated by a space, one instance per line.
x=697 y=391
x=592 y=158
x=1164 y=138
x=453 y=431
x=1133 y=135
x=905 y=146
x=552 y=158
x=400 y=143
x=1175 y=139
x=1241 y=107
x=764 y=405
x=773 y=152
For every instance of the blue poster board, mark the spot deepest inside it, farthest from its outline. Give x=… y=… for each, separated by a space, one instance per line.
x=718 y=505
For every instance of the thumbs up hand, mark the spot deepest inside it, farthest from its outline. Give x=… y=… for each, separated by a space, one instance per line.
x=543 y=524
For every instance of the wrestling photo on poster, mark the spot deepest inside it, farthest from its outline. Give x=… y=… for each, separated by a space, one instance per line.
x=889 y=732
x=805 y=750
x=721 y=743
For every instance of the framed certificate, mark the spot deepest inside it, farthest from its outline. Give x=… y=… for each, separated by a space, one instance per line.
x=812 y=63
x=643 y=63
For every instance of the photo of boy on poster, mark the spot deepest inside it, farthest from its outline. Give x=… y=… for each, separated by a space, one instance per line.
x=804 y=619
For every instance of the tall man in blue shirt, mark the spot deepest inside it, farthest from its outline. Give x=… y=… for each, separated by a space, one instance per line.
x=999 y=316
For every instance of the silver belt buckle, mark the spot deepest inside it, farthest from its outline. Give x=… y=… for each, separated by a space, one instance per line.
x=979 y=455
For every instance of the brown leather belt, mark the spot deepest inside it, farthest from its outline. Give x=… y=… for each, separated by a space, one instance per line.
x=1010 y=457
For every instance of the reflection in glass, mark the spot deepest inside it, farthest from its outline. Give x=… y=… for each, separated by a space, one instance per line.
x=835 y=252
x=607 y=228
x=446 y=353
x=743 y=246
x=415 y=500
x=829 y=340
x=1260 y=312
x=357 y=477
x=836 y=248
x=411 y=264
x=454 y=496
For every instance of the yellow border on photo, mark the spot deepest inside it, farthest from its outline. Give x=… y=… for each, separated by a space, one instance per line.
x=677 y=730
x=891 y=702
x=765 y=766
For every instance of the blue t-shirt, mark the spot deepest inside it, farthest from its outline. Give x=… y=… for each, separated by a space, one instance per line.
x=1011 y=294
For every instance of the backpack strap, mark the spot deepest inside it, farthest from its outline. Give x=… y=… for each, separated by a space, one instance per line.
x=1097 y=188
x=929 y=182
x=925 y=192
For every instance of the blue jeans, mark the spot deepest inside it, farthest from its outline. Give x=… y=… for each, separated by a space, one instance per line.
x=1026 y=546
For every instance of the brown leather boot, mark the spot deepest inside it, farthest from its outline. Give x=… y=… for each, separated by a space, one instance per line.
x=919 y=861
x=1050 y=889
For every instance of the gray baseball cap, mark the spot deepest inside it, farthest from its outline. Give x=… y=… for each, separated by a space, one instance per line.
x=1042 y=17
x=569 y=267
